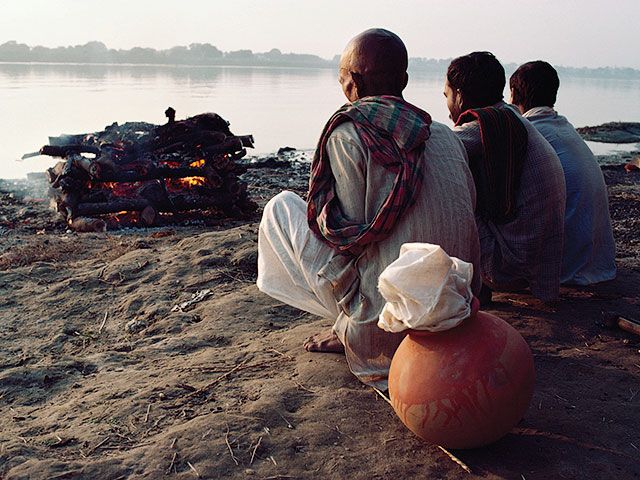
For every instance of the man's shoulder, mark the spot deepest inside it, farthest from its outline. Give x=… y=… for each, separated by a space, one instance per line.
x=441 y=134
x=346 y=129
x=345 y=132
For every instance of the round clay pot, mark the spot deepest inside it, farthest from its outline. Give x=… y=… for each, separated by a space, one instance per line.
x=465 y=387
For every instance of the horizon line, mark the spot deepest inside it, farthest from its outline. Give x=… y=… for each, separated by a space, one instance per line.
x=328 y=62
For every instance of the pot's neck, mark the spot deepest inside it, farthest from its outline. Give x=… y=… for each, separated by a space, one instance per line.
x=475 y=306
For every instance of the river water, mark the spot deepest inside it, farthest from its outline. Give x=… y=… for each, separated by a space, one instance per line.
x=279 y=106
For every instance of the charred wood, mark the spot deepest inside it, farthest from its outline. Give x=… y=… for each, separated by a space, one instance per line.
x=87 y=224
x=64 y=150
x=113 y=206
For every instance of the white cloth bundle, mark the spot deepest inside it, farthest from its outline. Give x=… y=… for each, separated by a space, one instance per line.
x=425 y=289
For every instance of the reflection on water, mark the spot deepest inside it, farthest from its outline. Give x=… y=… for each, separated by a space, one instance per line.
x=280 y=106
x=611 y=148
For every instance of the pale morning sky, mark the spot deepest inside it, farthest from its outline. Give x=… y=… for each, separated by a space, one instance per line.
x=565 y=32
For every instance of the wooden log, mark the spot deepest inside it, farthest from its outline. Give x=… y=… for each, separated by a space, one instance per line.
x=238 y=155
x=67 y=203
x=246 y=140
x=231 y=186
x=155 y=192
x=153 y=173
x=95 y=196
x=184 y=202
x=87 y=224
x=148 y=216
x=113 y=206
x=230 y=145
x=174 y=203
x=54 y=172
x=212 y=176
x=88 y=165
x=629 y=325
x=65 y=171
x=64 y=150
x=104 y=162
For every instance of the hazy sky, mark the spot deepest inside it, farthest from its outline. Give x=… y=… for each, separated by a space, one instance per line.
x=565 y=32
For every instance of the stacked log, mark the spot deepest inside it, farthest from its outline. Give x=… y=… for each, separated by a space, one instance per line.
x=182 y=166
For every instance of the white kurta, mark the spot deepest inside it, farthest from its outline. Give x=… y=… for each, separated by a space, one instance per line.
x=297 y=268
x=589 y=248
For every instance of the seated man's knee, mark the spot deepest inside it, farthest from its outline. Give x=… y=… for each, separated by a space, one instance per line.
x=281 y=204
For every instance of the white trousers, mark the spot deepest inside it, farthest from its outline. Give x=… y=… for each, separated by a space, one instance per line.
x=290 y=256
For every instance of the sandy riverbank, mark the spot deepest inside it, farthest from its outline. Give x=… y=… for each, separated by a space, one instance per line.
x=99 y=378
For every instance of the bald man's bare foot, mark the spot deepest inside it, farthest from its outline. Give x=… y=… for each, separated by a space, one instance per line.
x=324 y=342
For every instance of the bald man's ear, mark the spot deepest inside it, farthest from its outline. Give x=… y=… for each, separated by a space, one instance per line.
x=360 y=87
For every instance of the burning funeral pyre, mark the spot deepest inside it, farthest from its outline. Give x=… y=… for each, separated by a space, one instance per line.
x=144 y=174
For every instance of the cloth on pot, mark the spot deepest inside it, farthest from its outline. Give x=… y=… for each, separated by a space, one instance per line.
x=425 y=289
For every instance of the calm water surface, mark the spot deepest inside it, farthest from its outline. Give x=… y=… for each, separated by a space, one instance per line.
x=278 y=106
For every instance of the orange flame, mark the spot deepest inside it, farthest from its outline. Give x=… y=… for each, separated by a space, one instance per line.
x=193 y=181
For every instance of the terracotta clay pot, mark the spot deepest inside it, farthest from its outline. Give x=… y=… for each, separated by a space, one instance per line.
x=465 y=387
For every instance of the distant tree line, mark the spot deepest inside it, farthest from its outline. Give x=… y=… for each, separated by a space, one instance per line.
x=194 y=54
x=205 y=54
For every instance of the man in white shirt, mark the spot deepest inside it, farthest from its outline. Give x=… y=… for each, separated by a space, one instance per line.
x=384 y=174
x=589 y=248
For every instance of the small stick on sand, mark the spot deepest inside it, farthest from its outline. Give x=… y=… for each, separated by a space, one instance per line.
x=303 y=387
x=217 y=380
x=98 y=446
x=226 y=440
x=206 y=434
x=173 y=443
x=146 y=416
x=455 y=459
x=286 y=421
x=273 y=460
x=383 y=396
x=287 y=356
x=255 y=449
x=173 y=461
x=193 y=468
x=447 y=452
x=104 y=321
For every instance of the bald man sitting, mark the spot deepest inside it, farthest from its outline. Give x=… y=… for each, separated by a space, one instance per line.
x=383 y=174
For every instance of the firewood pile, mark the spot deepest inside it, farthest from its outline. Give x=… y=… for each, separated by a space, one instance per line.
x=144 y=174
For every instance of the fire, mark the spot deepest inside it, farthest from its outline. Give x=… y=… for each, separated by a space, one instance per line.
x=197 y=163
x=193 y=181
x=122 y=216
x=122 y=189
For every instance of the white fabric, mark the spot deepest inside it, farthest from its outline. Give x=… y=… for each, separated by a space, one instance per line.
x=425 y=289
x=290 y=257
x=297 y=268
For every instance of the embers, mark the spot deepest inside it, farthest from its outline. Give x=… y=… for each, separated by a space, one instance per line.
x=144 y=174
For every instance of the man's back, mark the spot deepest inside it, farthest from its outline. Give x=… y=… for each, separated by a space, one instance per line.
x=528 y=248
x=442 y=214
x=589 y=247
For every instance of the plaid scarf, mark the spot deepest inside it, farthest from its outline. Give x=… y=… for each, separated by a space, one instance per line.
x=498 y=170
x=394 y=133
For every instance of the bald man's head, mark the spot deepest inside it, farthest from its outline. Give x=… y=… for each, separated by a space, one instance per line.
x=374 y=63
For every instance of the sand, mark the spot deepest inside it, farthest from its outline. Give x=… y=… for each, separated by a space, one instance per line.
x=102 y=377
